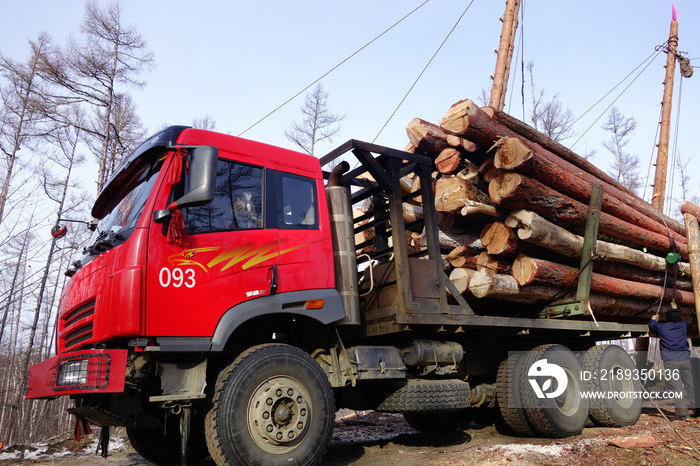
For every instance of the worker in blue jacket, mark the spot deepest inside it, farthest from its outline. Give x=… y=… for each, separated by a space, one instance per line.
x=675 y=352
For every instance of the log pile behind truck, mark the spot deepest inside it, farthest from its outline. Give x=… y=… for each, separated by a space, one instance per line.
x=513 y=206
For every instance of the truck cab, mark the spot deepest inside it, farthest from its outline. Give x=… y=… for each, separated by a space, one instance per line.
x=250 y=258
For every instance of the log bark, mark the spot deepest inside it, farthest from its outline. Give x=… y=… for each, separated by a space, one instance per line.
x=636 y=274
x=426 y=136
x=514 y=155
x=536 y=230
x=499 y=239
x=515 y=191
x=450 y=237
x=528 y=132
x=467 y=120
x=506 y=288
x=485 y=284
x=530 y=270
x=693 y=231
x=692 y=209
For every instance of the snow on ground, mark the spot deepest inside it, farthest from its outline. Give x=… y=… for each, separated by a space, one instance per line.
x=41 y=452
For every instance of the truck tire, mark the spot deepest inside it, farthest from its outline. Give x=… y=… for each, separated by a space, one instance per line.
x=273 y=405
x=601 y=362
x=509 y=395
x=566 y=414
x=162 y=446
x=426 y=396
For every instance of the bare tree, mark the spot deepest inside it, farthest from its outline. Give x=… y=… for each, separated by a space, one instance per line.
x=318 y=123
x=206 y=123
x=20 y=111
x=89 y=71
x=65 y=159
x=624 y=166
x=549 y=117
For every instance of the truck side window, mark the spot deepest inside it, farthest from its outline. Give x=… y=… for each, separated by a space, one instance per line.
x=238 y=202
x=297 y=205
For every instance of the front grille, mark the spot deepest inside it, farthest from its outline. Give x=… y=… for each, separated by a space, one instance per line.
x=77 y=326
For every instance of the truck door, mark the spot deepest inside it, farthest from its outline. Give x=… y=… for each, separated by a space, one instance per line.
x=306 y=256
x=231 y=256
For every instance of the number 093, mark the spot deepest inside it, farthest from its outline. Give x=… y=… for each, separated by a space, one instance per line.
x=176 y=277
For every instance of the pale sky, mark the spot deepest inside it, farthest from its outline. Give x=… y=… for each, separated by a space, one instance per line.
x=235 y=61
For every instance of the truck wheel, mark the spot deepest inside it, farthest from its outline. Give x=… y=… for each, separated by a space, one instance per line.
x=566 y=413
x=272 y=405
x=426 y=396
x=163 y=448
x=509 y=392
x=603 y=362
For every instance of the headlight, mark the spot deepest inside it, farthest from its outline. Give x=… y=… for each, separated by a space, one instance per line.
x=73 y=372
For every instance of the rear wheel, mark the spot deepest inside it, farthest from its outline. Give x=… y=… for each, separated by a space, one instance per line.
x=606 y=363
x=272 y=405
x=554 y=404
x=509 y=394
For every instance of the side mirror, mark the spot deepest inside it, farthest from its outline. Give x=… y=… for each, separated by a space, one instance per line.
x=202 y=180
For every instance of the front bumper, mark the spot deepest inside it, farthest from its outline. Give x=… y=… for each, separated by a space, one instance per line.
x=79 y=372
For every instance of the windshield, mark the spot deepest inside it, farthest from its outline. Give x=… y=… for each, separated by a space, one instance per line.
x=117 y=224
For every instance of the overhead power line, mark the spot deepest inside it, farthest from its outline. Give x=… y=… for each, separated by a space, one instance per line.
x=649 y=59
x=423 y=71
x=334 y=68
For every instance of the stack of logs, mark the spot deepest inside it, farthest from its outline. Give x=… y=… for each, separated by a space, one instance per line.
x=512 y=207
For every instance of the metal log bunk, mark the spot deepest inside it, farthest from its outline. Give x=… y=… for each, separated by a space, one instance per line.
x=409 y=291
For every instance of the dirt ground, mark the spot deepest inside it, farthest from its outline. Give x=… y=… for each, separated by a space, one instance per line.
x=370 y=438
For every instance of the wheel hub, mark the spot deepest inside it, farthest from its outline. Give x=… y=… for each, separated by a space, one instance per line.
x=279 y=414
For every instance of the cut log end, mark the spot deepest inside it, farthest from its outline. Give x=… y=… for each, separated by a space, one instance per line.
x=512 y=153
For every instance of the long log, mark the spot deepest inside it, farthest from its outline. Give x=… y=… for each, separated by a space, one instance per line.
x=693 y=231
x=515 y=191
x=530 y=270
x=506 y=288
x=536 y=230
x=692 y=209
x=636 y=274
x=451 y=237
x=426 y=136
x=514 y=155
x=531 y=134
x=466 y=119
